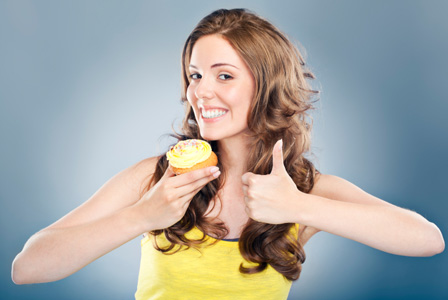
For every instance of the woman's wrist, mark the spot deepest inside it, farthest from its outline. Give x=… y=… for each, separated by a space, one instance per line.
x=137 y=219
x=300 y=211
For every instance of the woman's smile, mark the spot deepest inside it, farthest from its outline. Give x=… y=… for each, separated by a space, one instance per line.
x=212 y=114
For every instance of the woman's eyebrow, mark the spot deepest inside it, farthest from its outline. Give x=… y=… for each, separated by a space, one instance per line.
x=216 y=65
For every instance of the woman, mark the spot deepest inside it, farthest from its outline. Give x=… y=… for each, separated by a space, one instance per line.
x=245 y=90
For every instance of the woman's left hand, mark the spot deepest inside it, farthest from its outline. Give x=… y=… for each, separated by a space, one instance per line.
x=272 y=198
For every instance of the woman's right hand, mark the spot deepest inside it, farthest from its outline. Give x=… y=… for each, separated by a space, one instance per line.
x=167 y=201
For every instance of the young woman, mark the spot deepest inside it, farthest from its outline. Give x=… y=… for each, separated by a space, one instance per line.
x=235 y=231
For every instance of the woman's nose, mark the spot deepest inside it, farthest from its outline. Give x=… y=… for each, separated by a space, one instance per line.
x=204 y=90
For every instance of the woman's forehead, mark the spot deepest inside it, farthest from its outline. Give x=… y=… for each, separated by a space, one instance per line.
x=211 y=51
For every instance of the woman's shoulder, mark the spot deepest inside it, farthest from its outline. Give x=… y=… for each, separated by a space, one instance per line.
x=138 y=175
x=143 y=167
x=123 y=189
x=337 y=188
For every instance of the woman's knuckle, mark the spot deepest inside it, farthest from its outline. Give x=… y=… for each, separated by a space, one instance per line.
x=191 y=176
x=170 y=197
x=251 y=193
x=252 y=180
x=165 y=185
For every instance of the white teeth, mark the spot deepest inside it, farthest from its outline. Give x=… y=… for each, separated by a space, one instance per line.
x=212 y=113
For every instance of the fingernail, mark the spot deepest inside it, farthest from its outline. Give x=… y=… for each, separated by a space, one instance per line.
x=216 y=174
x=214 y=169
x=281 y=144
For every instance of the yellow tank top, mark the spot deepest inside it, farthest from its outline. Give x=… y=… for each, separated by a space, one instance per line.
x=211 y=273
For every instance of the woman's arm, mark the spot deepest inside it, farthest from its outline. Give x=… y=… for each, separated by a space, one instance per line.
x=57 y=252
x=339 y=207
x=99 y=225
x=114 y=215
x=362 y=217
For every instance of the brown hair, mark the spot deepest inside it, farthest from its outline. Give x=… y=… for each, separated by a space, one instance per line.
x=279 y=110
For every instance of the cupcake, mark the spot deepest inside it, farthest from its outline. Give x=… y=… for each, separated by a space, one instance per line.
x=190 y=155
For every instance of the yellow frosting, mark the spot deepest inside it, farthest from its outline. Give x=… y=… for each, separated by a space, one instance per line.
x=188 y=153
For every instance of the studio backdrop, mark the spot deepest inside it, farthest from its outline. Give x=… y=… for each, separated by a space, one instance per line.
x=88 y=88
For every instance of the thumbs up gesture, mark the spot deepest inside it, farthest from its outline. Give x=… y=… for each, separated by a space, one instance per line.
x=271 y=198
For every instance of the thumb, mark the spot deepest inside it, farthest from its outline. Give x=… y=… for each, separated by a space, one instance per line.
x=277 y=158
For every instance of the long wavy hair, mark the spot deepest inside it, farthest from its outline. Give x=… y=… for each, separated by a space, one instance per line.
x=279 y=110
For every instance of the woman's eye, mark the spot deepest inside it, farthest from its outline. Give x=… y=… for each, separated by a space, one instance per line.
x=195 y=76
x=225 y=76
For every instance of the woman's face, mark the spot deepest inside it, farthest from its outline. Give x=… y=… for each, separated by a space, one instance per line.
x=221 y=89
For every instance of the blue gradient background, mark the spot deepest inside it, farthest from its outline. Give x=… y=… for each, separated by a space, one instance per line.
x=87 y=88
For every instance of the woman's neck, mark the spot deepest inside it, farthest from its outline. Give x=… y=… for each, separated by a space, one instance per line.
x=233 y=154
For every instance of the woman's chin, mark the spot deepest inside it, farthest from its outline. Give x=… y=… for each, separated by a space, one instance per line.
x=209 y=137
x=212 y=135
